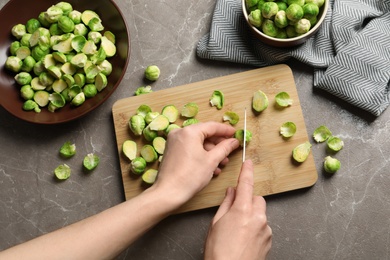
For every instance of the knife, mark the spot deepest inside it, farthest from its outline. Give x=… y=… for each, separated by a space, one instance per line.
x=244 y=146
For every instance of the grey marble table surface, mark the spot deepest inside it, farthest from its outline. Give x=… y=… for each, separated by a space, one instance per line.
x=344 y=216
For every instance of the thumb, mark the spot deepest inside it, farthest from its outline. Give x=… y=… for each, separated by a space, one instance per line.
x=225 y=205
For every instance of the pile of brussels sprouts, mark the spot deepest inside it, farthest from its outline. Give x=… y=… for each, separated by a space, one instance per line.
x=283 y=18
x=60 y=57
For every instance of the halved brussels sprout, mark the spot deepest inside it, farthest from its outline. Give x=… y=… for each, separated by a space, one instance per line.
x=129 y=149
x=259 y=101
x=190 y=110
x=301 y=152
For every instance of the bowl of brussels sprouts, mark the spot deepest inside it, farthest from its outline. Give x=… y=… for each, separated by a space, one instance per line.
x=284 y=23
x=59 y=60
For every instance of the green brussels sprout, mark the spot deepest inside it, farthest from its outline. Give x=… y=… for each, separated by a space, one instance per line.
x=26 y=92
x=159 y=123
x=171 y=127
x=255 y=18
x=62 y=172
x=38 y=53
x=25 y=41
x=18 y=31
x=281 y=6
x=281 y=19
x=301 y=152
x=45 y=78
x=14 y=47
x=55 y=29
x=100 y=81
x=68 y=79
x=23 y=52
x=95 y=25
x=87 y=15
x=38 y=68
x=251 y=3
x=143 y=90
x=260 y=4
x=294 y=12
x=288 y=129
x=68 y=149
x=79 y=99
x=90 y=90
x=138 y=165
x=331 y=165
x=110 y=36
x=319 y=3
x=91 y=161
x=41 y=97
x=29 y=105
x=290 y=31
x=75 y=16
x=79 y=79
x=217 y=99
x=91 y=72
x=23 y=78
x=310 y=10
x=137 y=124
x=13 y=63
x=302 y=26
x=171 y=112
x=148 y=153
x=74 y=91
x=28 y=64
x=297 y=2
x=53 y=14
x=57 y=100
x=259 y=101
x=66 y=7
x=334 y=143
x=89 y=48
x=269 y=28
x=149 y=134
x=149 y=176
x=79 y=60
x=269 y=9
x=59 y=85
x=239 y=135
x=95 y=36
x=150 y=116
x=54 y=71
x=105 y=67
x=231 y=116
x=190 y=121
x=78 y=42
x=129 y=149
x=66 y=24
x=42 y=20
x=152 y=72
x=68 y=68
x=99 y=56
x=80 y=29
x=36 y=85
x=159 y=144
x=282 y=34
x=143 y=110
x=190 y=110
x=283 y=99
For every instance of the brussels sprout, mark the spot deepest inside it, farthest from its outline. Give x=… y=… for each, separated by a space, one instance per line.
x=57 y=100
x=18 y=31
x=75 y=16
x=99 y=56
x=319 y=3
x=79 y=79
x=129 y=149
x=150 y=176
x=26 y=92
x=66 y=7
x=79 y=99
x=110 y=36
x=91 y=161
x=95 y=25
x=38 y=68
x=55 y=29
x=66 y=24
x=42 y=20
x=91 y=72
x=239 y=135
x=269 y=9
x=269 y=28
x=217 y=99
x=74 y=91
x=190 y=110
x=171 y=112
x=143 y=110
x=190 y=121
x=331 y=165
x=79 y=60
x=59 y=85
x=283 y=99
x=53 y=13
x=87 y=15
x=149 y=134
x=100 y=81
x=38 y=53
x=137 y=124
x=259 y=101
x=159 y=144
x=62 y=172
x=301 y=152
x=90 y=90
x=294 y=12
x=23 y=78
x=23 y=52
x=310 y=10
x=13 y=63
x=335 y=144
x=68 y=149
x=160 y=123
x=25 y=41
x=171 y=127
x=152 y=72
x=89 y=47
x=251 y=3
x=105 y=67
x=29 y=105
x=288 y=129
x=255 y=18
x=138 y=165
x=95 y=37
x=41 y=97
x=14 y=47
x=143 y=90
x=28 y=64
x=36 y=84
x=281 y=6
x=150 y=116
x=148 y=153
x=55 y=71
x=41 y=34
x=302 y=26
x=281 y=19
x=290 y=31
x=231 y=116
x=282 y=34
x=68 y=79
x=64 y=46
x=80 y=29
x=321 y=134
x=297 y=2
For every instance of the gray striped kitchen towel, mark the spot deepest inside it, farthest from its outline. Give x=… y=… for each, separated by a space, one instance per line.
x=350 y=53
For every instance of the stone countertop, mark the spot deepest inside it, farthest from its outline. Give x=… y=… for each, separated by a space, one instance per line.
x=344 y=216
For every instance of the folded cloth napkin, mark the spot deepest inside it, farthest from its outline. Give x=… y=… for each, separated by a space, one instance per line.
x=350 y=52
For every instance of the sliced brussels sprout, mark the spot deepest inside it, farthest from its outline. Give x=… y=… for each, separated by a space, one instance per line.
x=110 y=36
x=87 y=15
x=150 y=116
x=29 y=105
x=68 y=149
x=171 y=112
x=79 y=99
x=129 y=149
x=143 y=90
x=36 y=84
x=217 y=99
x=137 y=124
x=59 y=85
x=190 y=121
x=283 y=99
x=152 y=72
x=79 y=79
x=331 y=165
x=108 y=47
x=62 y=172
x=148 y=153
x=78 y=42
x=150 y=176
x=159 y=144
x=41 y=97
x=68 y=79
x=190 y=110
x=64 y=46
x=335 y=144
x=96 y=37
x=22 y=52
x=259 y=101
x=74 y=91
x=301 y=152
x=160 y=123
x=143 y=110
x=239 y=135
x=91 y=161
x=101 y=81
x=57 y=100
x=149 y=134
x=232 y=117
x=95 y=25
x=288 y=129
x=138 y=165
x=171 y=127
x=321 y=134
x=79 y=60
x=99 y=56
x=105 y=67
x=55 y=71
x=13 y=64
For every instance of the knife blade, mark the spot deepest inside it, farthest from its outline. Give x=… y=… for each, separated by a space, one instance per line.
x=244 y=143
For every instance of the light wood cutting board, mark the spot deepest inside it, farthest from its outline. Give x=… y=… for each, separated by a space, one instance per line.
x=275 y=171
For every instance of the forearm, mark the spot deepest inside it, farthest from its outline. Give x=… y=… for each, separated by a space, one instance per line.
x=102 y=236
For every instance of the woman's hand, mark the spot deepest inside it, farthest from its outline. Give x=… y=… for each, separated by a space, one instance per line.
x=192 y=156
x=239 y=229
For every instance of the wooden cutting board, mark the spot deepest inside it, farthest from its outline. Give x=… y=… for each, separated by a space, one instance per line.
x=274 y=169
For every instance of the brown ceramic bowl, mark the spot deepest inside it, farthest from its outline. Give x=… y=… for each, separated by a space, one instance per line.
x=290 y=42
x=19 y=11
